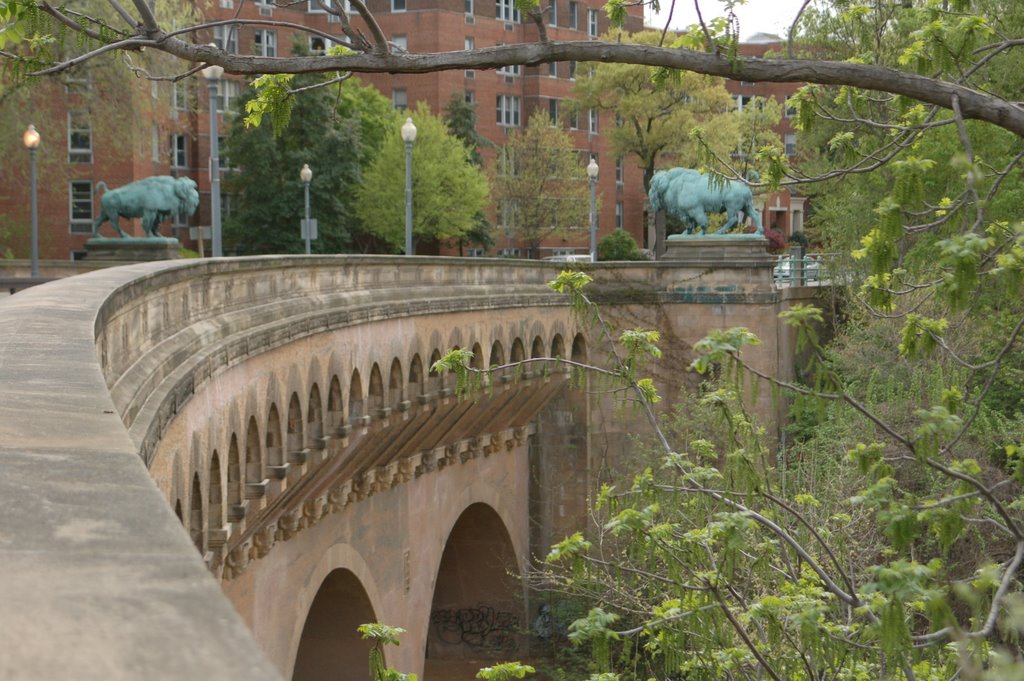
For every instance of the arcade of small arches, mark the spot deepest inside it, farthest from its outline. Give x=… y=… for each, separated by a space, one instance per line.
x=317 y=435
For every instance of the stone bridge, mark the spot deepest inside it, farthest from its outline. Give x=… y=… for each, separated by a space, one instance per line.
x=281 y=411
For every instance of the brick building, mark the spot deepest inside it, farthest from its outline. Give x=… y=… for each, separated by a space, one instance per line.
x=111 y=128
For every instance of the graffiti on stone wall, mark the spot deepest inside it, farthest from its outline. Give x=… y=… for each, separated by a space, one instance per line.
x=479 y=627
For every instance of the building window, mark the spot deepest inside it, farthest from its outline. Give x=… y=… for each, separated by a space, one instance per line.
x=790 y=143
x=179 y=151
x=469 y=7
x=593 y=121
x=574 y=10
x=78 y=84
x=397 y=5
x=509 y=70
x=476 y=252
x=227 y=4
x=401 y=42
x=553 y=69
x=470 y=97
x=506 y=10
x=470 y=45
x=227 y=91
x=79 y=137
x=80 y=207
x=743 y=101
x=592 y=22
x=313 y=7
x=790 y=106
x=574 y=119
x=618 y=215
x=266 y=9
x=226 y=38
x=400 y=99
x=553 y=111
x=179 y=96
x=619 y=171
x=508 y=110
x=264 y=43
x=572 y=70
x=553 y=13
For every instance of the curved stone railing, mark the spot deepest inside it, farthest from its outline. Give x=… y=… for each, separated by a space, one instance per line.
x=100 y=581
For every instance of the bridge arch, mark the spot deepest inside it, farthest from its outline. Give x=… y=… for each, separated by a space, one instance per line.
x=477 y=608
x=314 y=417
x=340 y=572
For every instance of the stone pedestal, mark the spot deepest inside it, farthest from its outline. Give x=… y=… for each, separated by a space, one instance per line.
x=132 y=249
x=727 y=264
x=725 y=251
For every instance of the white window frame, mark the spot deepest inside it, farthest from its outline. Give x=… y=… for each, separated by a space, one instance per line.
x=79 y=124
x=592 y=23
x=790 y=142
x=553 y=110
x=470 y=7
x=553 y=69
x=225 y=37
x=227 y=91
x=553 y=13
x=179 y=151
x=620 y=172
x=266 y=8
x=80 y=224
x=619 y=210
x=264 y=40
x=469 y=44
x=399 y=99
x=508 y=108
x=506 y=10
x=398 y=6
x=572 y=70
x=592 y=117
x=470 y=97
x=574 y=119
x=574 y=12
x=179 y=96
x=400 y=41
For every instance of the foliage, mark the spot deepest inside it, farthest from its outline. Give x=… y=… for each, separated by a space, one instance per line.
x=335 y=130
x=619 y=245
x=539 y=183
x=506 y=671
x=460 y=117
x=448 y=191
x=656 y=109
x=382 y=635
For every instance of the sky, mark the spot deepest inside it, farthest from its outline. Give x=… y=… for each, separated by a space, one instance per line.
x=756 y=16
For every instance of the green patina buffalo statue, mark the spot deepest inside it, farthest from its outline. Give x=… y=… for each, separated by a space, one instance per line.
x=154 y=199
x=689 y=195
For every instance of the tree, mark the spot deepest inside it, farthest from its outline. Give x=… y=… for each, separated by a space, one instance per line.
x=656 y=109
x=336 y=130
x=460 y=117
x=540 y=185
x=619 y=245
x=448 y=191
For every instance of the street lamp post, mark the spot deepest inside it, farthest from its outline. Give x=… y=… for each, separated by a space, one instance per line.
x=31 y=140
x=592 y=171
x=408 y=136
x=306 y=174
x=212 y=74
